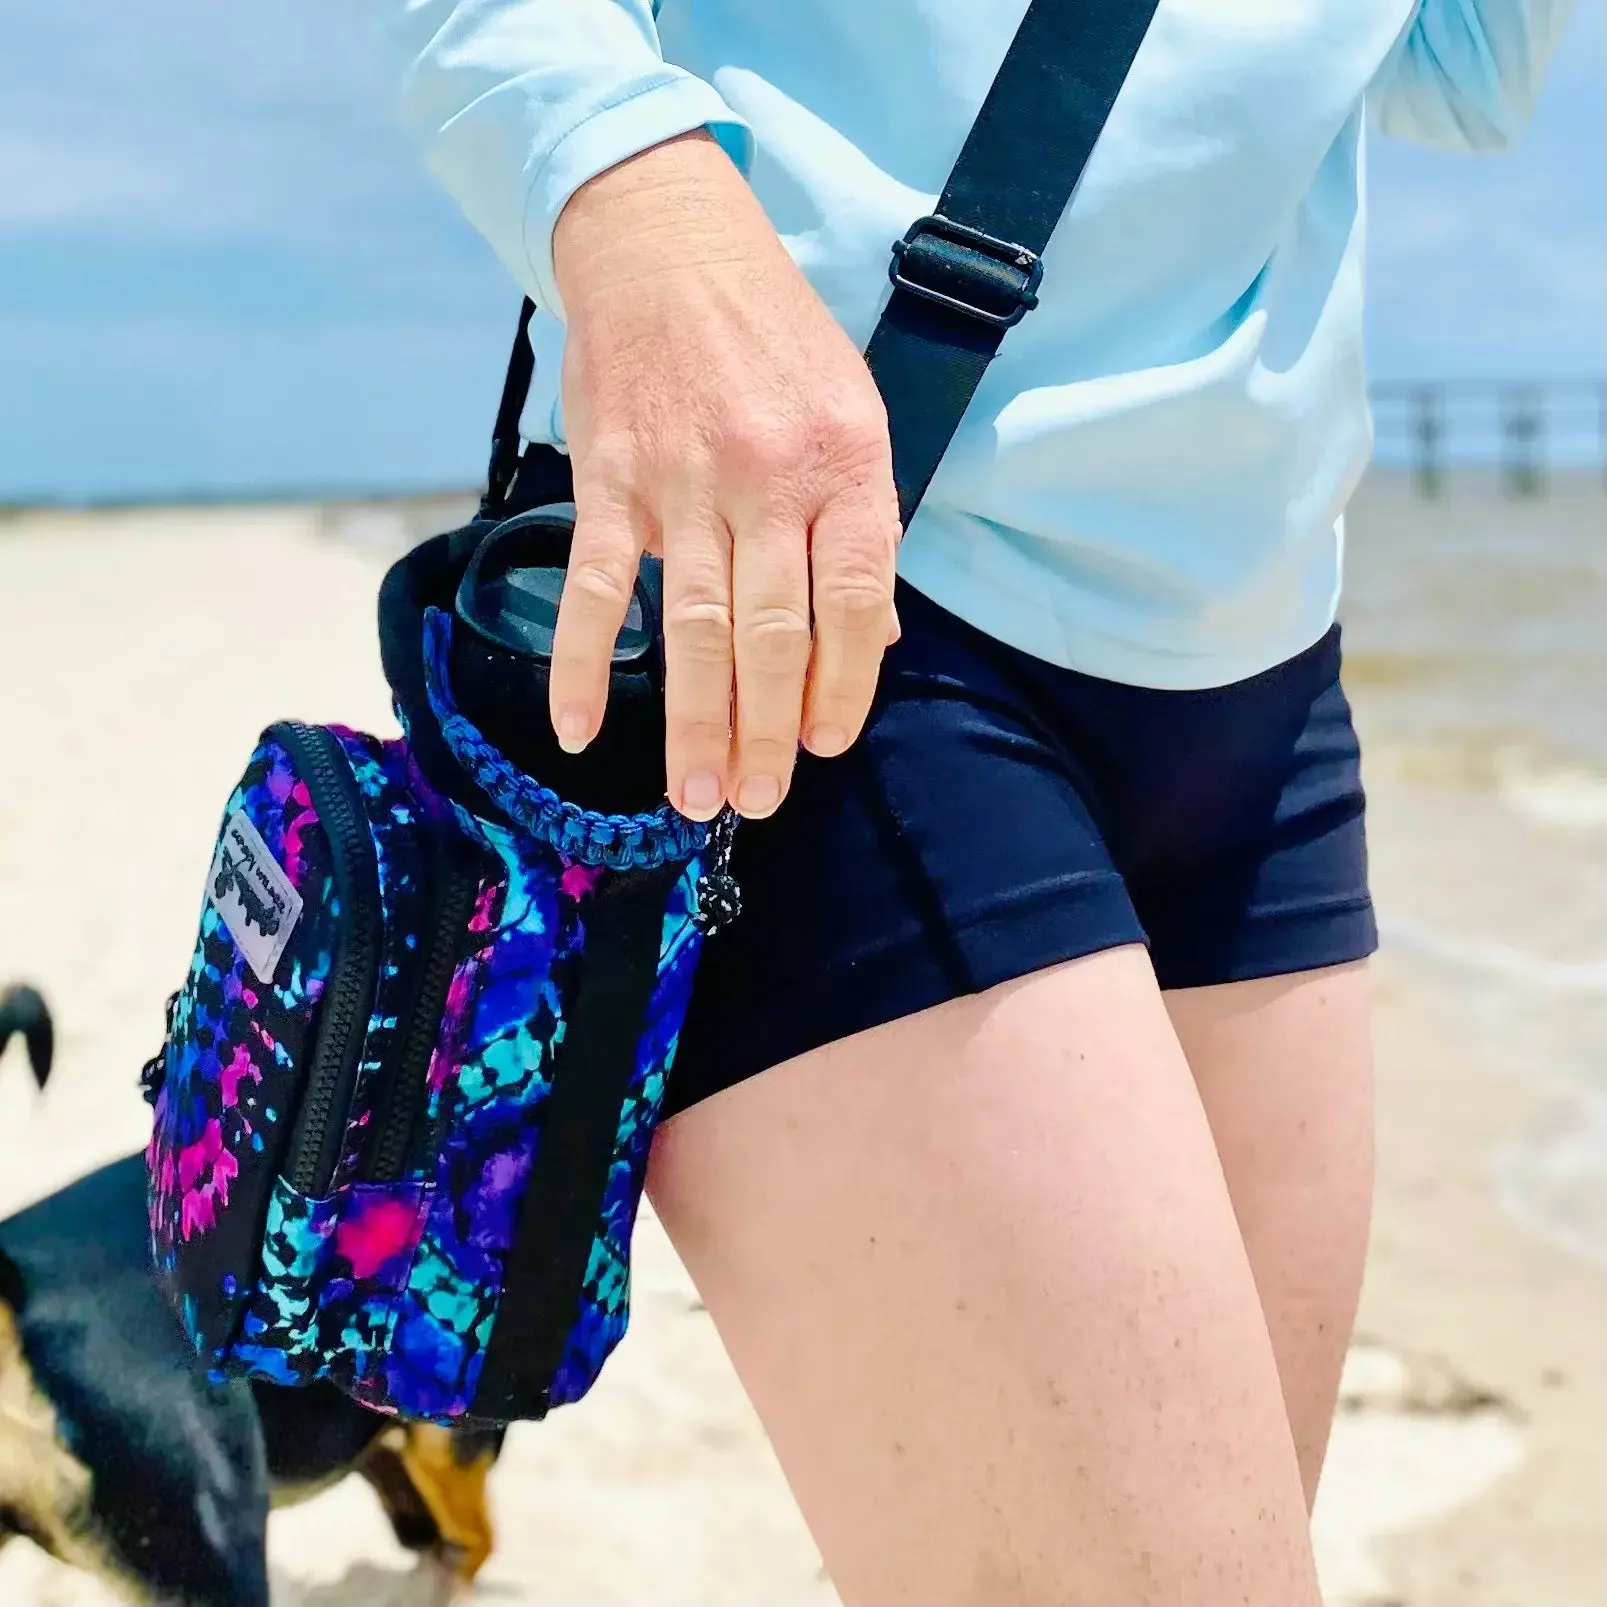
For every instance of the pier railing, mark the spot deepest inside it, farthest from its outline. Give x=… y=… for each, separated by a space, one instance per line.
x=1528 y=429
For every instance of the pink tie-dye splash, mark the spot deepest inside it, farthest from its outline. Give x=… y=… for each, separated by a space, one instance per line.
x=204 y=1171
x=378 y=1231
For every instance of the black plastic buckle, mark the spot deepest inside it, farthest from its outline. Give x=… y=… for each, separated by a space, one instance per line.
x=973 y=243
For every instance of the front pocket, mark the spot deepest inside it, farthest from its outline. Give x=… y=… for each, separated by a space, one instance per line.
x=266 y=1031
x=331 y=1268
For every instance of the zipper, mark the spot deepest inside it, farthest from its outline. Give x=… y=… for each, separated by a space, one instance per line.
x=451 y=906
x=343 y=1016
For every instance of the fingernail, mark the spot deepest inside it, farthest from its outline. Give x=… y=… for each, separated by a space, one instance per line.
x=758 y=795
x=574 y=730
x=701 y=794
x=827 y=741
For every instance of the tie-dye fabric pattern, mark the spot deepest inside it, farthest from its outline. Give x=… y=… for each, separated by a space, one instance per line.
x=489 y=1111
x=391 y=1287
x=230 y=1084
x=327 y=1267
x=485 y=1107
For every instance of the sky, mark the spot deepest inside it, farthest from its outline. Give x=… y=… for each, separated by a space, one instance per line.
x=223 y=271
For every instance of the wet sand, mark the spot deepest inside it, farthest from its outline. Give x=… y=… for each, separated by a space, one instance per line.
x=1476 y=658
x=139 y=655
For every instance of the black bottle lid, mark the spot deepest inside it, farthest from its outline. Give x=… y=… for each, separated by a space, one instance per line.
x=506 y=610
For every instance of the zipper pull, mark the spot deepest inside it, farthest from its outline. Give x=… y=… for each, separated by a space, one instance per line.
x=719 y=899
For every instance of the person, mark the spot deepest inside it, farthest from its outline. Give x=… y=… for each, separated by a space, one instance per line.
x=1020 y=1135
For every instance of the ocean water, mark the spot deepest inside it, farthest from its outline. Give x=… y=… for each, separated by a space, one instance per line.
x=1476 y=658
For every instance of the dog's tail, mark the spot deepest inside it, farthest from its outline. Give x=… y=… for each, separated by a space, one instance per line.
x=23 y=1010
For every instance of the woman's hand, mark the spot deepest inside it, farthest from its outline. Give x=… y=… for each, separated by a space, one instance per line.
x=718 y=414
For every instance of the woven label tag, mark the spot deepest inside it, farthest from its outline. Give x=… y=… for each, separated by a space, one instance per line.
x=250 y=890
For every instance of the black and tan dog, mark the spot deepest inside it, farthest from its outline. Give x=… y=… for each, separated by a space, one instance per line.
x=116 y=1453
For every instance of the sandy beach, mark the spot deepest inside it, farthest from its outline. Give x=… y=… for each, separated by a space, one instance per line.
x=141 y=652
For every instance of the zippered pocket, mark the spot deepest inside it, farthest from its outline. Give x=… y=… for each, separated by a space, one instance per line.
x=455 y=875
x=263 y=1030
x=331 y=1076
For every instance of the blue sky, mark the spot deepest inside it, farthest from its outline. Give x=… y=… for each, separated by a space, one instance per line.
x=221 y=268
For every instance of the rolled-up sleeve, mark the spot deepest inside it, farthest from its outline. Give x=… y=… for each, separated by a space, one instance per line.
x=517 y=103
x=1466 y=73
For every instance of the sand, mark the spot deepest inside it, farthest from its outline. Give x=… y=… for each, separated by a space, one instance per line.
x=139 y=655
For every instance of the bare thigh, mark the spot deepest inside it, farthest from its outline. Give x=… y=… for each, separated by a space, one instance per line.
x=981 y=1276
x=1285 y=1071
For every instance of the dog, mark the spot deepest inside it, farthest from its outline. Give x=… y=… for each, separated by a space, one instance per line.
x=119 y=1456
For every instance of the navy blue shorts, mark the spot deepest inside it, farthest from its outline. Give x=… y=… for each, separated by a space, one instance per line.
x=1001 y=815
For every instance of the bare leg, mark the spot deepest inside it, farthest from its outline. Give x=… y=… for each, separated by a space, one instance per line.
x=1285 y=1070
x=980 y=1274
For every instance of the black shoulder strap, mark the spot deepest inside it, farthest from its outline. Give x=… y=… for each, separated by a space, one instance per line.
x=504 y=463
x=544 y=1278
x=970 y=271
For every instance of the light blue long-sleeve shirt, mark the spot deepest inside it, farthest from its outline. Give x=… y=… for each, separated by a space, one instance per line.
x=1149 y=485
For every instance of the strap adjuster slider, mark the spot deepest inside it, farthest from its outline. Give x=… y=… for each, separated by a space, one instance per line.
x=975 y=274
